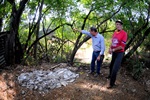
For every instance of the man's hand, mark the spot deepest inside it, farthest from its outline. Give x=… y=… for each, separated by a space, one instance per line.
x=98 y=58
x=110 y=51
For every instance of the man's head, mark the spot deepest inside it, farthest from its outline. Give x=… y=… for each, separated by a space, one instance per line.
x=93 y=31
x=119 y=24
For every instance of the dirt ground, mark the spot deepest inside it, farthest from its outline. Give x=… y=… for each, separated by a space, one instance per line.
x=86 y=87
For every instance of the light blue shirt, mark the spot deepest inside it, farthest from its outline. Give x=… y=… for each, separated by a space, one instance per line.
x=98 y=43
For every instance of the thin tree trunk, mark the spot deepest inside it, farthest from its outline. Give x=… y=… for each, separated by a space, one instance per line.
x=38 y=28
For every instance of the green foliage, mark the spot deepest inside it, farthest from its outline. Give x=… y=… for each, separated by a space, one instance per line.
x=31 y=61
x=146 y=45
x=137 y=69
x=4 y=8
x=57 y=12
x=135 y=65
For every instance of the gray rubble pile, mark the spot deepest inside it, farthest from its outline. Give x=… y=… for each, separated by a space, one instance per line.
x=46 y=80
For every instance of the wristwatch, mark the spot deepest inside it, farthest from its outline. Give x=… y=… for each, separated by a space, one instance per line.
x=113 y=50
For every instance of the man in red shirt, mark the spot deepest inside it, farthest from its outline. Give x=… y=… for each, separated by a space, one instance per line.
x=117 y=47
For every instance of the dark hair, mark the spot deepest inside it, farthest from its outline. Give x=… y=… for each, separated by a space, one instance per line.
x=93 y=29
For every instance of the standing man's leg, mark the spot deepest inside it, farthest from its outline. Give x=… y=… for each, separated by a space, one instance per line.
x=93 y=62
x=99 y=64
x=116 y=67
x=111 y=64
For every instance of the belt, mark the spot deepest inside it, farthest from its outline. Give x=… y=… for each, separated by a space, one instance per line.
x=97 y=51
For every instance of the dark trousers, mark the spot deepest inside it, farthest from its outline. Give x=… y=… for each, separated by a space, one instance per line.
x=99 y=63
x=115 y=66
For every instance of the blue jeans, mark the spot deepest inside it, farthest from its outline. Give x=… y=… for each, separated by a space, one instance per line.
x=115 y=66
x=99 y=63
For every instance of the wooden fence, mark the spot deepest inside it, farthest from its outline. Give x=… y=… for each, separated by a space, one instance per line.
x=2 y=49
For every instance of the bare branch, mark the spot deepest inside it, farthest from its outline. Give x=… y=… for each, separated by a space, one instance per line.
x=111 y=15
x=44 y=36
x=63 y=40
x=106 y=31
x=144 y=26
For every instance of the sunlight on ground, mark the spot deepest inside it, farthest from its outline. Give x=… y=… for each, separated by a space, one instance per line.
x=91 y=86
x=6 y=87
x=84 y=54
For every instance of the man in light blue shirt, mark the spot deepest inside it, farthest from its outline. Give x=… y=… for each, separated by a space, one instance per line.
x=98 y=48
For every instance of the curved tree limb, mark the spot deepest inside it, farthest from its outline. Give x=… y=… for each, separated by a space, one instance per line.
x=44 y=36
x=77 y=46
x=135 y=47
x=111 y=15
x=140 y=29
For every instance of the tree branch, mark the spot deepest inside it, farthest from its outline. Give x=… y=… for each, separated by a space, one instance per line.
x=83 y=25
x=111 y=15
x=33 y=27
x=106 y=31
x=146 y=33
x=43 y=37
x=139 y=30
x=62 y=39
x=78 y=38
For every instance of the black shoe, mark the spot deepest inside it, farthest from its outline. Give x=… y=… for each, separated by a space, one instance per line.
x=110 y=86
x=108 y=77
x=92 y=73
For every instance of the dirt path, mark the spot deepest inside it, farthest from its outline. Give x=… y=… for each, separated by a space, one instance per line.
x=86 y=87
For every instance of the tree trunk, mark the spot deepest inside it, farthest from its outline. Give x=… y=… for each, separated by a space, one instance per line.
x=14 y=51
x=37 y=30
x=135 y=47
x=76 y=49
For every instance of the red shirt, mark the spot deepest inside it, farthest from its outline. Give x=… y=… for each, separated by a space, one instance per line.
x=119 y=38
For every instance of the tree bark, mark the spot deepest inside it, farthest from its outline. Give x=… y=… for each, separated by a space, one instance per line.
x=135 y=47
x=13 y=46
x=76 y=47
x=134 y=35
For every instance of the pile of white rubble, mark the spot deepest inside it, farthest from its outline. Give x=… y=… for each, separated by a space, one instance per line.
x=47 y=80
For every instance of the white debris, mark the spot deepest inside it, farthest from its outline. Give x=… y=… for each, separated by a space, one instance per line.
x=45 y=80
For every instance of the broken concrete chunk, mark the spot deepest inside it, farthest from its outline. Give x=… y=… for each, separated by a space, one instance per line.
x=45 y=80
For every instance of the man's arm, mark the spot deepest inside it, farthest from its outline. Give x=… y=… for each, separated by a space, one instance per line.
x=84 y=32
x=102 y=46
x=117 y=49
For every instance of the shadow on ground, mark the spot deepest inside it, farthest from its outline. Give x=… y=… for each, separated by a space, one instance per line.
x=86 y=87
